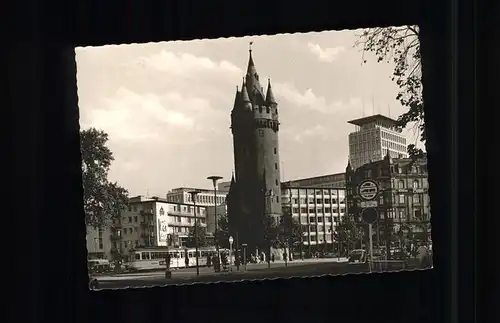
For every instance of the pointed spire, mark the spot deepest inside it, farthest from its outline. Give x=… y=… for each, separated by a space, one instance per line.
x=251 y=70
x=270 y=96
x=349 y=167
x=388 y=156
x=244 y=93
x=237 y=97
x=252 y=78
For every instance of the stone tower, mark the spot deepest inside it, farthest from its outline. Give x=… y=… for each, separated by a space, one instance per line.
x=255 y=192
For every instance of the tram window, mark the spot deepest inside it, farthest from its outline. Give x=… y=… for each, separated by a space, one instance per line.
x=182 y=254
x=145 y=255
x=190 y=254
x=137 y=256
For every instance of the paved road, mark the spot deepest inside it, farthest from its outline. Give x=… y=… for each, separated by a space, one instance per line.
x=256 y=271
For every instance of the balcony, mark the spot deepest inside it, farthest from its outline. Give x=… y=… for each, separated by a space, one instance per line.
x=147 y=212
x=186 y=214
x=146 y=224
x=115 y=237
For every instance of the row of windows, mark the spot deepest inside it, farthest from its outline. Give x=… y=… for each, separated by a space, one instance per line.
x=392 y=145
x=394 y=138
x=318 y=201
x=326 y=210
x=204 y=199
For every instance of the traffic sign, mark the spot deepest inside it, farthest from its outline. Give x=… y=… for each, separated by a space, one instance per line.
x=367 y=204
x=369 y=215
x=368 y=190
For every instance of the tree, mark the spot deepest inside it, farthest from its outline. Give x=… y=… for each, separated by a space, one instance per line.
x=348 y=232
x=223 y=231
x=201 y=237
x=103 y=200
x=400 y=45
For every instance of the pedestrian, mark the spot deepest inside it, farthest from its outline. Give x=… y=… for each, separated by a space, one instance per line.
x=186 y=260
x=284 y=255
x=272 y=257
x=209 y=260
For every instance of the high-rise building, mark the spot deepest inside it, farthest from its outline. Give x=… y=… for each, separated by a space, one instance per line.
x=373 y=137
x=255 y=190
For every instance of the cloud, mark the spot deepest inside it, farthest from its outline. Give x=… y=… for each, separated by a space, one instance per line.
x=316 y=132
x=131 y=116
x=326 y=55
x=185 y=64
x=288 y=92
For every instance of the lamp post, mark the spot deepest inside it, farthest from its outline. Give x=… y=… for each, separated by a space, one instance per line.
x=214 y=180
x=230 y=250
x=267 y=195
x=194 y=194
x=95 y=247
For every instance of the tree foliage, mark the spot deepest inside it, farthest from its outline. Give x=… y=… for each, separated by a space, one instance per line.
x=400 y=45
x=281 y=233
x=223 y=231
x=199 y=234
x=348 y=231
x=103 y=200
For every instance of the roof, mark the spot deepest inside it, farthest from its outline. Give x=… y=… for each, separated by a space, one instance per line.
x=370 y=119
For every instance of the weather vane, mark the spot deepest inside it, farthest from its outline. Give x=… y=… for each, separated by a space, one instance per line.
x=250 y=46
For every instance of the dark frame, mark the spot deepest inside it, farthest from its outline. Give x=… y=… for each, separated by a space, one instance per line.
x=42 y=74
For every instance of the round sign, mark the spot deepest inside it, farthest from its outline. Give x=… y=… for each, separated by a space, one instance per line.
x=369 y=215
x=231 y=240
x=368 y=190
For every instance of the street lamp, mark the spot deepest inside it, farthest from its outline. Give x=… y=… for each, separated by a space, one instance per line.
x=194 y=194
x=231 y=250
x=267 y=195
x=214 y=180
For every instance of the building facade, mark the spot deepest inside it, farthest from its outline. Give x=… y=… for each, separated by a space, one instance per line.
x=224 y=186
x=255 y=189
x=205 y=197
x=326 y=181
x=148 y=222
x=403 y=201
x=319 y=211
x=98 y=242
x=374 y=136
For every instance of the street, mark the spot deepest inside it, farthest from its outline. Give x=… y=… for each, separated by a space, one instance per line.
x=253 y=271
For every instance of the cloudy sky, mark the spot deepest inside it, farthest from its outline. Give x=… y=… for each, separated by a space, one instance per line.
x=166 y=106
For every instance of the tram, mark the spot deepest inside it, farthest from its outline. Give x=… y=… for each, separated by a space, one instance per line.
x=153 y=258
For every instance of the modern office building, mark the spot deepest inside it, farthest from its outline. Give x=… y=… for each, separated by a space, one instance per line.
x=205 y=197
x=372 y=138
x=325 y=181
x=403 y=201
x=319 y=210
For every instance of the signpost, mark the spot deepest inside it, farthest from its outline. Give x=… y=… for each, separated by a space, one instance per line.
x=244 y=246
x=368 y=191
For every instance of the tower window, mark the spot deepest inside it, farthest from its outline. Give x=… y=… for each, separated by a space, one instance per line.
x=260 y=109
x=275 y=165
x=268 y=110
x=276 y=182
x=275 y=150
x=277 y=199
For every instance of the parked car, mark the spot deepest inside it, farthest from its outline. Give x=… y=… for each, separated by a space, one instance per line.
x=357 y=256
